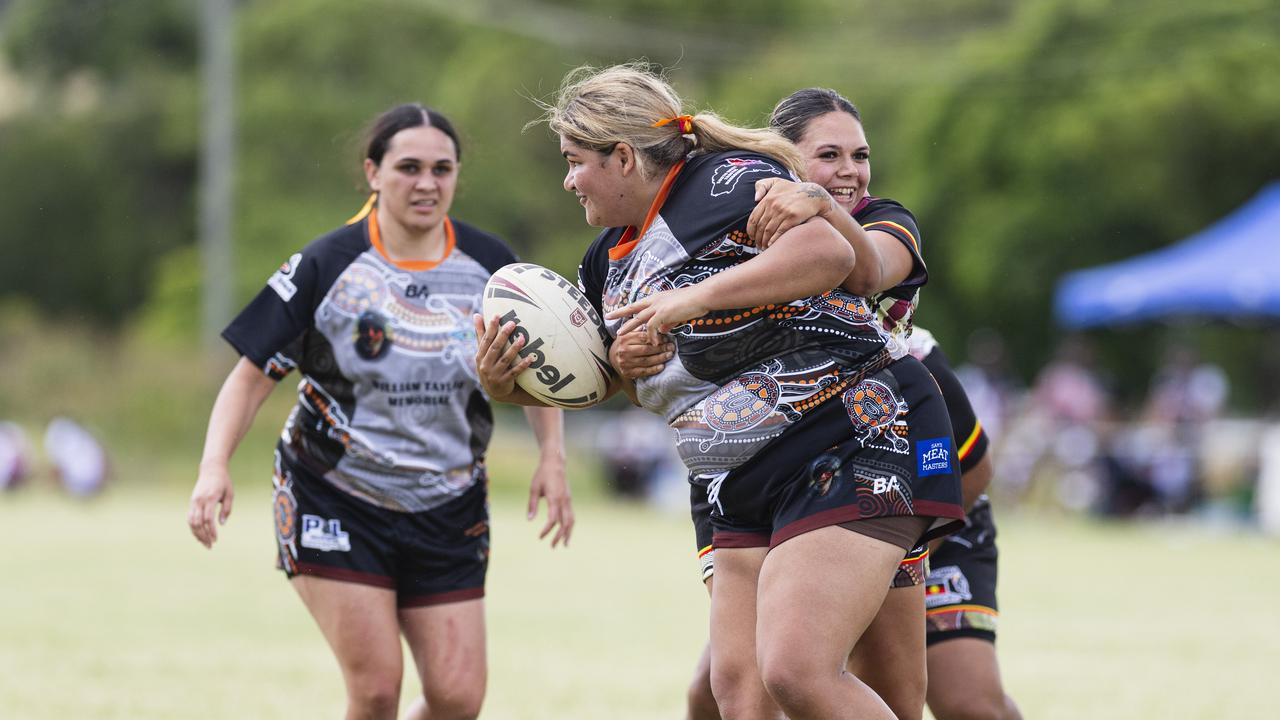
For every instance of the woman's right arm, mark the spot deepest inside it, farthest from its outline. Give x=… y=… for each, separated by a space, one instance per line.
x=242 y=394
x=883 y=261
x=806 y=260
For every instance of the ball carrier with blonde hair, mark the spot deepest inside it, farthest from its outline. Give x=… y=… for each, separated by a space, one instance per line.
x=963 y=674
x=790 y=411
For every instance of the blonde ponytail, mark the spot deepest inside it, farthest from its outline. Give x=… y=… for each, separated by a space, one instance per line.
x=714 y=134
x=634 y=104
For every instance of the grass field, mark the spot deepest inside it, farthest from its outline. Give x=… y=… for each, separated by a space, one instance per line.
x=110 y=610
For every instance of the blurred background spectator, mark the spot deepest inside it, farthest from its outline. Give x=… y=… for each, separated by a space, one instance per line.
x=15 y=456
x=636 y=452
x=79 y=461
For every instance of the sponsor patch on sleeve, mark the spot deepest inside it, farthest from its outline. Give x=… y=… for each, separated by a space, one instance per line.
x=282 y=280
x=933 y=457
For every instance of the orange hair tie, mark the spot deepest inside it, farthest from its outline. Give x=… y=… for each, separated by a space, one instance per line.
x=684 y=123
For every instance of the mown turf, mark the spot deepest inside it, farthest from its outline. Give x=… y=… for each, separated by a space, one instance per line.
x=110 y=610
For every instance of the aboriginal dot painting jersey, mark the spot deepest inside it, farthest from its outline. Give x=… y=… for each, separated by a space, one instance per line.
x=389 y=405
x=742 y=377
x=895 y=307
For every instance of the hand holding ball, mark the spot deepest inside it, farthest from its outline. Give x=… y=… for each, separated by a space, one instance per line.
x=562 y=334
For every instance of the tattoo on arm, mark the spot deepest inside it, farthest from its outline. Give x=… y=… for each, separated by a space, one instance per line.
x=812 y=191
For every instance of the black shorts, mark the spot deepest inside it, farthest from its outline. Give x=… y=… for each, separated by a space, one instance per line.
x=882 y=448
x=971 y=440
x=429 y=558
x=911 y=571
x=960 y=594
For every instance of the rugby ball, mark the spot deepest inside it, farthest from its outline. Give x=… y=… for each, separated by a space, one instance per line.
x=561 y=330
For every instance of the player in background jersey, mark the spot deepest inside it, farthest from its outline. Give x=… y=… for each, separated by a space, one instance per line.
x=813 y=443
x=963 y=678
x=380 y=495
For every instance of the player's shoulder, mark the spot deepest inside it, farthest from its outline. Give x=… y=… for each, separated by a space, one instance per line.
x=875 y=207
x=342 y=243
x=723 y=173
x=484 y=247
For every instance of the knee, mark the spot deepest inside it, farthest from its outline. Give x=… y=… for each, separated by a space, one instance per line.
x=792 y=680
x=736 y=690
x=457 y=701
x=702 y=702
x=373 y=698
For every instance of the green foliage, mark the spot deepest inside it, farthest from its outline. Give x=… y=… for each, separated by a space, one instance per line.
x=114 y=37
x=1028 y=138
x=1094 y=134
x=99 y=172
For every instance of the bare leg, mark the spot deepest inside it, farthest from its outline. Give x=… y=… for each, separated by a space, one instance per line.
x=890 y=655
x=818 y=593
x=448 y=646
x=964 y=682
x=702 y=702
x=359 y=623
x=735 y=677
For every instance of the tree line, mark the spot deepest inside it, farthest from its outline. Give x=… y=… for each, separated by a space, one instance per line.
x=1028 y=138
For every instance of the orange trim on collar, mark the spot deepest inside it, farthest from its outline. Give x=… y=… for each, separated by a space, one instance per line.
x=631 y=237
x=375 y=239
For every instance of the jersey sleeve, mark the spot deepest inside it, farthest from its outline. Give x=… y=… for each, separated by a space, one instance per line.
x=267 y=331
x=889 y=217
x=717 y=197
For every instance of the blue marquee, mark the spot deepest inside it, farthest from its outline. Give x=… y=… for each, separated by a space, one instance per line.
x=1229 y=270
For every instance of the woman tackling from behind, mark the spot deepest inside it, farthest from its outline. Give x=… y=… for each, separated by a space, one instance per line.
x=380 y=499
x=787 y=405
x=963 y=677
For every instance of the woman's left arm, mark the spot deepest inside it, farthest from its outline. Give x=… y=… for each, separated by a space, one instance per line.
x=549 y=480
x=806 y=260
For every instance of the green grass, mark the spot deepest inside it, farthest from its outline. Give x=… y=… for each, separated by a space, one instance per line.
x=111 y=610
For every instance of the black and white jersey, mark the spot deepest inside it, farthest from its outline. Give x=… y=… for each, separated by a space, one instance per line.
x=739 y=377
x=895 y=307
x=389 y=405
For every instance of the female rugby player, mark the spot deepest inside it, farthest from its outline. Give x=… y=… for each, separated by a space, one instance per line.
x=964 y=679
x=790 y=408
x=381 y=509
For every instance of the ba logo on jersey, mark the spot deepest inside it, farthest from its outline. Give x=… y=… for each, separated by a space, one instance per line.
x=724 y=179
x=282 y=280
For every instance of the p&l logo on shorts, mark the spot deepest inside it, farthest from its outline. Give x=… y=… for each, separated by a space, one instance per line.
x=933 y=457
x=325 y=535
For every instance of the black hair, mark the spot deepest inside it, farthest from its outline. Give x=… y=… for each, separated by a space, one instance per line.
x=793 y=113
x=401 y=117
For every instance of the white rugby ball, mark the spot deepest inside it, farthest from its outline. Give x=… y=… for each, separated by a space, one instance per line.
x=561 y=330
